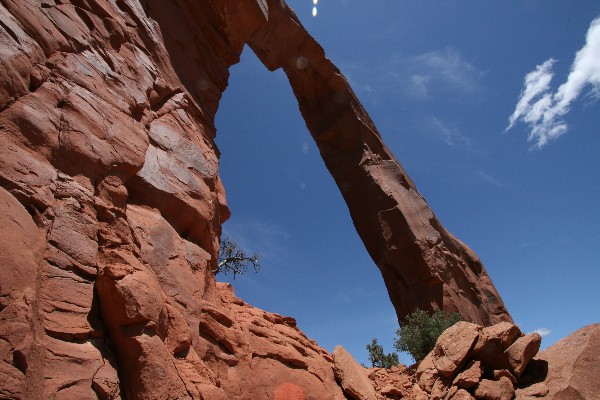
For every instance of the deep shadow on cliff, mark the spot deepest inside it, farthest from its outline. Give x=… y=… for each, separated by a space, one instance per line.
x=112 y=205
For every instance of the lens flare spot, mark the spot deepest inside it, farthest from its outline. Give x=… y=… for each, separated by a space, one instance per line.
x=315 y=2
x=301 y=62
x=314 y=11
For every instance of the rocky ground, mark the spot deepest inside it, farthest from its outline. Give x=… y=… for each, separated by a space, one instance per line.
x=493 y=363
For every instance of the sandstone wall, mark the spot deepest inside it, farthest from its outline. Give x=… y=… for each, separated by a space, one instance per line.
x=111 y=205
x=111 y=209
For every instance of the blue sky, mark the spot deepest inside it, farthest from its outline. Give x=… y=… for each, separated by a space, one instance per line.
x=440 y=80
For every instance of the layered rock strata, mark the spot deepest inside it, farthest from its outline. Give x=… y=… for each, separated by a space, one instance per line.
x=112 y=206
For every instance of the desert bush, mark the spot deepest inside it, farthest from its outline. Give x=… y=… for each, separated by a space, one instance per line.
x=378 y=358
x=418 y=336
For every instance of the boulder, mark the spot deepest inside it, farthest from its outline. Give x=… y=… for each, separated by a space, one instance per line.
x=427 y=374
x=573 y=365
x=453 y=347
x=503 y=372
x=493 y=341
x=390 y=391
x=470 y=376
x=351 y=376
x=522 y=351
x=495 y=390
x=456 y=393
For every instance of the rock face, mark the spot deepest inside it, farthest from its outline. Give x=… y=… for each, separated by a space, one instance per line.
x=112 y=206
x=569 y=369
x=111 y=209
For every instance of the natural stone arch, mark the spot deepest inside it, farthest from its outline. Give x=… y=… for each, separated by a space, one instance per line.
x=423 y=265
x=106 y=112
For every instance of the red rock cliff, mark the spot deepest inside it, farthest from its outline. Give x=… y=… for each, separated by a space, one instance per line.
x=111 y=205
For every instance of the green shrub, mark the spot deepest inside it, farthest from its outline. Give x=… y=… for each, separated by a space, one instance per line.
x=378 y=358
x=419 y=334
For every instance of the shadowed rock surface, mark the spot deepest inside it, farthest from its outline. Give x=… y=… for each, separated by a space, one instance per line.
x=112 y=206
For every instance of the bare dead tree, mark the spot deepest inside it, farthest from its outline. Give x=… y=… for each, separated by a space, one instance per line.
x=233 y=259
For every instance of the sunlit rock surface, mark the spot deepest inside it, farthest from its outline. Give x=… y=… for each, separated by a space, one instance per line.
x=112 y=205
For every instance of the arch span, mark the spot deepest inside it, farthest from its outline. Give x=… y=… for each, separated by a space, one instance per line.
x=423 y=265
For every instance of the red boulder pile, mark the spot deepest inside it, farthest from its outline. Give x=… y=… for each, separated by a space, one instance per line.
x=471 y=362
x=393 y=383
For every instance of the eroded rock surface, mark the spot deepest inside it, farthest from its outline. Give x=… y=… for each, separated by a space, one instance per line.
x=569 y=369
x=112 y=206
x=111 y=209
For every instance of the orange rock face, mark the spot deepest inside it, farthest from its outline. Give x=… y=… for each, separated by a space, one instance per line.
x=112 y=209
x=112 y=206
x=570 y=367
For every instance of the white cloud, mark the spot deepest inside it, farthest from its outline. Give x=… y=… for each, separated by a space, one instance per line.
x=542 y=110
x=543 y=331
x=536 y=83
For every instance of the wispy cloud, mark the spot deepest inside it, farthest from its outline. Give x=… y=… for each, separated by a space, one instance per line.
x=419 y=77
x=542 y=110
x=342 y=298
x=420 y=85
x=543 y=331
x=266 y=238
x=450 y=135
x=446 y=68
x=488 y=179
x=433 y=78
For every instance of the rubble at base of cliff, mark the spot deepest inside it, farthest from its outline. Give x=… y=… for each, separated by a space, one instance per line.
x=494 y=363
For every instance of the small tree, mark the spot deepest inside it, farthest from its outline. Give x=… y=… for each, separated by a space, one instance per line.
x=234 y=260
x=421 y=331
x=378 y=358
